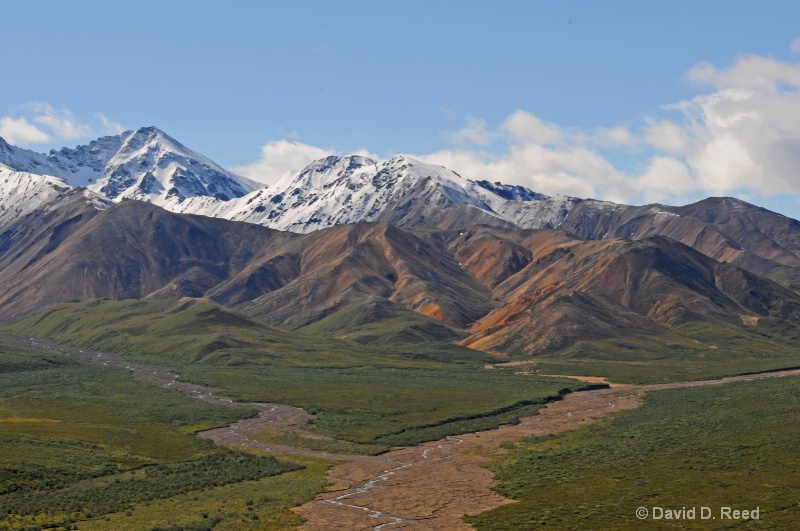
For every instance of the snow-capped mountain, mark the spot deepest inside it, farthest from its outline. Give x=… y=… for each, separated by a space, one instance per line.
x=149 y=165
x=23 y=192
x=146 y=164
x=402 y=191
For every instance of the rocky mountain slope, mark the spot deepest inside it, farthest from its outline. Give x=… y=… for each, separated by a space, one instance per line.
x=503 y=290
x=551 y=289
x=136 y=250
x=148 y=165
x=399 y=244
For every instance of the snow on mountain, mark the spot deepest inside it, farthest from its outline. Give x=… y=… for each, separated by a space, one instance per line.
x=24 y=160
x=511 y=192
x=152 y=166
x=146 y=164
x=339 y=190
x=547 y=213
x=149 y=165
x=22 y=192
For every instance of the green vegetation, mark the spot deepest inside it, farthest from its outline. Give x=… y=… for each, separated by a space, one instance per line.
x=95 y=497
x=197 y=331
x=717 y=446
x=83 y=443
x=366 y=394
x=184 y=330
x=288 y=438
x=112 y=427
x=262 y=504
x=411 y=435
x=375 y=406
x=89 y=444
x=58 y=397
x=695 y=351
x=379 y=321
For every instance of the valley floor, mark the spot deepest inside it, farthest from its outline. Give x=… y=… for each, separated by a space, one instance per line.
x=428 y=486
x=431 y=486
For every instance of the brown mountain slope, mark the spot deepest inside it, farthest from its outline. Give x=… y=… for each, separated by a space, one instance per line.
x=136 y=250
x=724 y=228
x=343 y=264
x=515 y=291
x=39 y=233
x=574 y=289
x=133 y=250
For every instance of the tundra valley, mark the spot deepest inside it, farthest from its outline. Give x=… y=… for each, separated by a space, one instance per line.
x=384 y=345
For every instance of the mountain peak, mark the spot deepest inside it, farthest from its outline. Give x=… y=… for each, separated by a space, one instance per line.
x=151 y=165
x=348 y=163
x=145 y=164
x=151 y=135
x=323 y=173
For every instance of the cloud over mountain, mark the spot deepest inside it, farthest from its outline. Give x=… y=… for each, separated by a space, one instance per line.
x=39 y=122
x=741 y=138
x=738 y=137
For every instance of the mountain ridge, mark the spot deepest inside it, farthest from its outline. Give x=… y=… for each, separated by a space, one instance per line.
x=519 y=292
x=510 y=269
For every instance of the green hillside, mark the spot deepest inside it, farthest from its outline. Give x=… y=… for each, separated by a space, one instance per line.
x=379 y=321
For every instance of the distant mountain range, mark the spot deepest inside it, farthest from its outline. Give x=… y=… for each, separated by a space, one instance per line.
x=500 y=268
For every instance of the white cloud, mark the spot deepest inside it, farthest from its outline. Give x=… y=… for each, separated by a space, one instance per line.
x=664 y=180
x=279 y=157
x=474 y=133
x=611 y=137
x=615 y=136
x=666 y=136
x=110 y=127
x=525 y=128
x=724 y=164
x=795 y=46
x=41 y=123
x=748 y=72
x=740 y=137
x=745 y=137
x=61 y=123
x=566 y=169
x=21 y=131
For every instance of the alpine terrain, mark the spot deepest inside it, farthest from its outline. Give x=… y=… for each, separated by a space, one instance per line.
x=497 y=267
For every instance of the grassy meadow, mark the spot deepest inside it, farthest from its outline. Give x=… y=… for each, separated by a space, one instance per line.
x=70 y=430
x=91 y=446
x=696 y=351
x=83 y=445
x=732 y=445
x=375 y=395
x=202 y=332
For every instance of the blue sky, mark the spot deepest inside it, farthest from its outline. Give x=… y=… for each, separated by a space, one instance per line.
x=632 y=101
